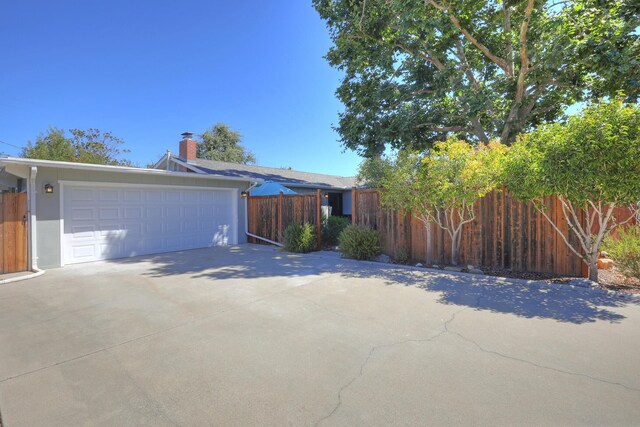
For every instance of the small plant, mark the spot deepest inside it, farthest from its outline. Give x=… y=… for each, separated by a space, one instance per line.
x=300 y=238
x=401 y=256
x=359 y=242
x=625 y=250
x=331 y=229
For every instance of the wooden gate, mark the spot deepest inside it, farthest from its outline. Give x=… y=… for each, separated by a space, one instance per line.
x=13 y=232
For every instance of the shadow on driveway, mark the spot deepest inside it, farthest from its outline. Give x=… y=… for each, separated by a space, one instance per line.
x=530 y=300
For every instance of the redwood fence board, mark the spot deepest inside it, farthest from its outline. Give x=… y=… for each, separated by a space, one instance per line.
x=13 y=232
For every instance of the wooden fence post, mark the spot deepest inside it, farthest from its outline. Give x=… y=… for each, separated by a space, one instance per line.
x=319 y=218
x=354 y=200
x=279 y=238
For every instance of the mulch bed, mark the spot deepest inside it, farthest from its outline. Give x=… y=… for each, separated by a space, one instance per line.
x=611 y=280
x=614 y=281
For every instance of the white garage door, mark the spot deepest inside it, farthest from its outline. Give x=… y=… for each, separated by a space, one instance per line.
x=119 y=221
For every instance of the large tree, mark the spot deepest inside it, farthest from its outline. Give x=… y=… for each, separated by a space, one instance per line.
x=591 y=163
x=418 y=70
x=372 y=170
x=224 y=144
x=85 y=146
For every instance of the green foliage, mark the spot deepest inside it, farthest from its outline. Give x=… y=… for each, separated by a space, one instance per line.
x=625 y=250
x=417 y=71
x=223 y=144
x=360 y=242
x=442 y=186
x=372 y=171
x=401 y=256
x=453 y=175
x=591 y=163
x=594 y=156
x=85 y=146
x=331 y=229
x=300 y=238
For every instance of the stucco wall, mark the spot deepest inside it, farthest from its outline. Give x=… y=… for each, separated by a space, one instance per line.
x=48 y=205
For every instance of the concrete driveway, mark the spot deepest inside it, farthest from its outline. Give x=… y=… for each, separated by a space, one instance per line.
x=251 y=336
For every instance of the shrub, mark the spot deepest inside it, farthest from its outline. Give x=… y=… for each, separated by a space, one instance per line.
x=359 y=242
x=625 y=250
x=299 y=238
x=401 y=256
x=331 y=229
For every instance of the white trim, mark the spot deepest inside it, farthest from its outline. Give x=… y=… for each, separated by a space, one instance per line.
x=235 y=212
x=159 y=162
x=187 y=165
x=31 y=200
x=62 y=183
x=61 y=200
x=128 y=184
x=121 y=169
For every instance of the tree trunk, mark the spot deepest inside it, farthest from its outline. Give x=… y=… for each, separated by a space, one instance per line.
x=455 y=252
x=593 y=270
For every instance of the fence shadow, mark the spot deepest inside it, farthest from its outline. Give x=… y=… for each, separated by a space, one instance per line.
x=530 y=300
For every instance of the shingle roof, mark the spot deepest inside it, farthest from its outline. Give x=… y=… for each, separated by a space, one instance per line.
x=282 y=176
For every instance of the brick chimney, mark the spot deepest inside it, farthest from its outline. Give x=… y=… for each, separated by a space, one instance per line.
x=188 y=146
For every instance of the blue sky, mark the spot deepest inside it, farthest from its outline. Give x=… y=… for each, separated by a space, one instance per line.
x=150 y=70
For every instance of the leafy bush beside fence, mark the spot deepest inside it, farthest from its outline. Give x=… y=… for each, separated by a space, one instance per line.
x=331 y=229
x=360 y=242
x=299 y=238
x=625 y=250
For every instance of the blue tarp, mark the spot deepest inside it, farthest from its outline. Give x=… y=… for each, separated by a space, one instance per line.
x=271 y=189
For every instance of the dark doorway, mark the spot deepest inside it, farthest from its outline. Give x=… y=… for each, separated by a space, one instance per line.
x=335 y=201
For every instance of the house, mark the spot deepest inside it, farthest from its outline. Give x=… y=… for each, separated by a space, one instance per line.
x=336 y=189
x=78 y=212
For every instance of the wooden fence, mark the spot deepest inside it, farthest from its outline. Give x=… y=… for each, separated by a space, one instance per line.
x=506 y=234
x=13 y=232
x=268 y=216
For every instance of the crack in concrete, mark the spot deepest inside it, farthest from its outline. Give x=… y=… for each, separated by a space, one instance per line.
x=373 y=349
x=550 y=368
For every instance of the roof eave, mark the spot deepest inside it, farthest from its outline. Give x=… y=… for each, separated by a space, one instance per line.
x=121 y=169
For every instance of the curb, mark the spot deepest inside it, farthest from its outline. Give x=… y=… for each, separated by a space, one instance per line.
x=36 y=273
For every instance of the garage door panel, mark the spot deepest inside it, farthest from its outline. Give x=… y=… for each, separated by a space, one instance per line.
x=80 y=194
x=173 y=196
x=108 y=195
x=154 y=196
x=106 y=229
x=153 y=212
x=109 y=213
x=133 y=212
x=120 y=221
x=79 y=214
x=86 y=251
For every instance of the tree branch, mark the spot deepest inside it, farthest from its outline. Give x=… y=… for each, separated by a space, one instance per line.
x=564 y=238
x=522 y=74
x=484 y=49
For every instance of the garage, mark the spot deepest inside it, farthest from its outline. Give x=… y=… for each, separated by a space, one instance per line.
x=109 y=221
